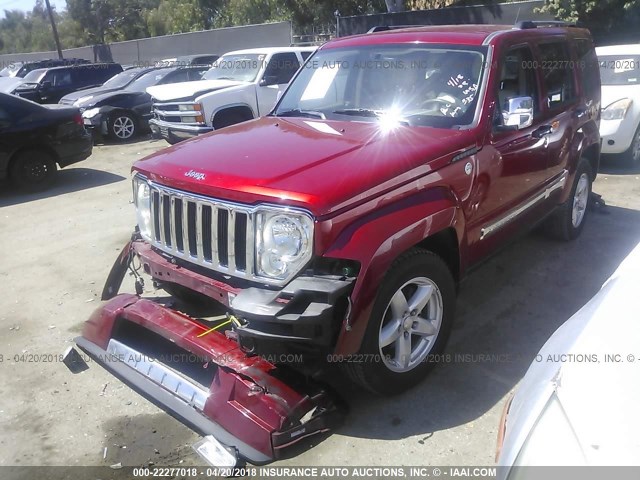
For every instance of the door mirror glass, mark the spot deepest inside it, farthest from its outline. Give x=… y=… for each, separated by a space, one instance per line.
x=519 y=113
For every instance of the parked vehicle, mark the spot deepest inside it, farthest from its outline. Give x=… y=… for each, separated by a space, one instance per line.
x=189 y=60
x=9 y=84
x=117 y=82
x=338 y=226
x=589 y=362
x=241 y=85
x=34 y=138
x=620 y=123
x=27 y=67
x=11 y=69
x=123 y=113
x=51 y=84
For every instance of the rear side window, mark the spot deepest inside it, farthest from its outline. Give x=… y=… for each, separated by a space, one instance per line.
x=557 y=73
x=587 y=67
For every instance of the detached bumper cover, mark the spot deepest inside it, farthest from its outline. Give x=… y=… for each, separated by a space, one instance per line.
x=244 y=405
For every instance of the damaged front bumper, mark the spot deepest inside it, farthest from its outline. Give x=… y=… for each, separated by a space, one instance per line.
x=205 y=380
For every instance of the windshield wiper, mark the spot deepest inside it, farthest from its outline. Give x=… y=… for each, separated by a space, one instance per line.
x=359 y=112
x=296 y=112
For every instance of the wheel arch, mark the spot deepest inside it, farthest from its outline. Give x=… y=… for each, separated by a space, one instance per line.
x=41 y=147
x=237 y=108
x=430 y=220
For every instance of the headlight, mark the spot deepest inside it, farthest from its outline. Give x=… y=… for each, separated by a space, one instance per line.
x=190 y=107
x=142 y=200
x=617 y=110
x=92 y=112
x=283 y=243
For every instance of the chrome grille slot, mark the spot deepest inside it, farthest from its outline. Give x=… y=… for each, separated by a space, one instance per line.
x=204 y=231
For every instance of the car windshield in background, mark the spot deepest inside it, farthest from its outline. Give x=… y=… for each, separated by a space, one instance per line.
x=242 y=68
x=148 y=80
x=34 y=76
x=122 y=79
x=620 y=69
x=420 y=85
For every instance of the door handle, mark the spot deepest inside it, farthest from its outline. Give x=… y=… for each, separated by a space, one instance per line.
x=542 y=131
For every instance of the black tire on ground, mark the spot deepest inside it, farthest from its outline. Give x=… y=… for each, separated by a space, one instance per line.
x=33 y=170
x=632 y=156
x=562 y=224
x=122 y=126
x=373 y=373
x=171 y=141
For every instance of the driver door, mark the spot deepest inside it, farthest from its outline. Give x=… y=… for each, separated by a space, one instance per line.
x=279 y=72
x=516 y=161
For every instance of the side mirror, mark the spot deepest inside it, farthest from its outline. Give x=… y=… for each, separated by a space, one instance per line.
x=519 y=113
x=45 y=85
x=269 y=80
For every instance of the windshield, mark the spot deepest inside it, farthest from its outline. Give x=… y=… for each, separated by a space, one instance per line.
x=148 y=80
x=122 y=79
x=425 y=85
x=34 y=76
x=242 y=68
x=619 y=69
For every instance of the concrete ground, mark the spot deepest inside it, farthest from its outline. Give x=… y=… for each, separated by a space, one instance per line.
x=56 y=249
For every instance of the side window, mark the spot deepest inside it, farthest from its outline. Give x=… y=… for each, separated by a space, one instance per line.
x=557 y=73
x=517 y=79
x=305 y=55
x=282 y=67
x=176 y=76
x=588 y=67
x=196 y=74
x=59 y=78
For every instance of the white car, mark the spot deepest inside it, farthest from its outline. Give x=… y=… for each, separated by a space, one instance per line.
x=578 y=402
x=240 y=85
x=620 y=122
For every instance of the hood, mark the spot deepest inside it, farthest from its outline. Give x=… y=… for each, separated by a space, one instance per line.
x=93 y=92
x=611 y=93
x=108 y=97
x=322 y=166
x=573 y=365
x=174 y=91
x=9 y=84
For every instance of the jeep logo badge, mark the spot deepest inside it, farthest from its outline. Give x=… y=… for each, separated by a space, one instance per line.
x=195 y=175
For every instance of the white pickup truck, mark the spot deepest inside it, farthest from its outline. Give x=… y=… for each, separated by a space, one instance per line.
x=241 y=85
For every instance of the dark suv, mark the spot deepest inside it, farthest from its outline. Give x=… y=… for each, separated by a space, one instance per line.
x=51 y=84
x=339 y=226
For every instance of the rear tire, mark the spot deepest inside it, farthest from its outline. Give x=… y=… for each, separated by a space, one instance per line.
x=632 y=156
x=409 y=325
x=568 y=220
x=33 y=170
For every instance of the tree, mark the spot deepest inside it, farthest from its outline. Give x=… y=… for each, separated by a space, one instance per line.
x=601 y=16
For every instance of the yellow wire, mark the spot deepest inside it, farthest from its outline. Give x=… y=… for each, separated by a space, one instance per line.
x=214 y=328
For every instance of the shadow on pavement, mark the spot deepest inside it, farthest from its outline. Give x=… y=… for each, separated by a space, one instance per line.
x=68 y=181
x=506 y=311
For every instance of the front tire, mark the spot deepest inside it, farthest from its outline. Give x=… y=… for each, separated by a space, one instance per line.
x=568 y=220
x=33 y=170
x=409 y=325
x=122 y=126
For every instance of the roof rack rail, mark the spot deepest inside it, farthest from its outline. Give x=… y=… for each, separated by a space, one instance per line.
x=385 y=28
x=527 y=24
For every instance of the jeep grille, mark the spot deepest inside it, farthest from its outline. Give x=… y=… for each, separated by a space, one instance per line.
x=204 y=231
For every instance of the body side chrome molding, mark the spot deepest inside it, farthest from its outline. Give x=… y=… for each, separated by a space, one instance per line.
x=494 y=227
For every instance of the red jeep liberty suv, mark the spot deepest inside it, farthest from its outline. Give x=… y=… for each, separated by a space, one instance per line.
x=338 y=226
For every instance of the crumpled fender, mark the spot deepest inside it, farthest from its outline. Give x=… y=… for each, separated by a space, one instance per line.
x=367 y=241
